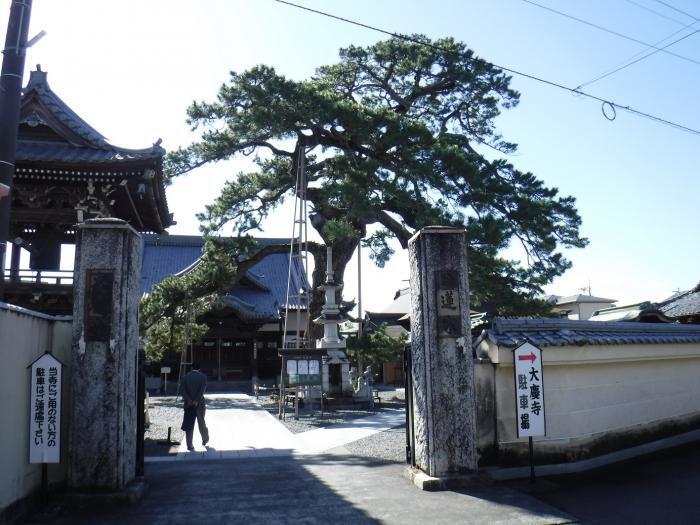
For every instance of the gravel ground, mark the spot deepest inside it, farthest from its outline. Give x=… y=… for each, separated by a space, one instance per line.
x=310 y=422
x=163 y=412
x=390 y=445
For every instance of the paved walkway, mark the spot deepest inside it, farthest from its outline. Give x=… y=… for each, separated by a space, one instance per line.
x=311 y=490
x=265 y=474
x=240 y=428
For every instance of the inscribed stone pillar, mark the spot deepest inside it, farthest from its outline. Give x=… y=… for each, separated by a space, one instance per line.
x=104 y=356
x=444 y=422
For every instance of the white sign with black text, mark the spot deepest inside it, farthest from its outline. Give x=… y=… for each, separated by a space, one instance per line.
x=45 y=410
x=529 y=391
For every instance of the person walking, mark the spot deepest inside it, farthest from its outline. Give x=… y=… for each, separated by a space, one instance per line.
x=194 y=384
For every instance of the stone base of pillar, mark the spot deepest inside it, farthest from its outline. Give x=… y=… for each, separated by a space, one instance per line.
x=457 y=481
x=132 y=493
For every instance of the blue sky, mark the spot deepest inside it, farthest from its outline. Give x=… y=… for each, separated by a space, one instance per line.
x=130 y=68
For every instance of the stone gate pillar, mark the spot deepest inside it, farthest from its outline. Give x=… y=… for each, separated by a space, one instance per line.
x=444 y=422
x=104 y=356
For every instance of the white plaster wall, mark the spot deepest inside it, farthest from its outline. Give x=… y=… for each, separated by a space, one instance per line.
x=637 y=385
x=24 y=338
x=291 y=325
x=581 y=311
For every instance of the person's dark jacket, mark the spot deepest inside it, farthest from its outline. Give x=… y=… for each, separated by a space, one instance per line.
x=194 y=384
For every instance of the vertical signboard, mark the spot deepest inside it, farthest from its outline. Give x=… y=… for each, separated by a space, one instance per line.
x=45 y=410
x=529 y=391
x=98 y=305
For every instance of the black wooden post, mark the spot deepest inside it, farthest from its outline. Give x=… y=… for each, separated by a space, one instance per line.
x=532 y=461
x=11 y=79
x=408 y=399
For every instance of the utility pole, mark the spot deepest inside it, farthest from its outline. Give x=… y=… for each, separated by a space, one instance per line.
x=11 y=80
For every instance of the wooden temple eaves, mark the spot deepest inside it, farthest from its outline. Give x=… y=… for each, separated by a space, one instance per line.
x=67 y=172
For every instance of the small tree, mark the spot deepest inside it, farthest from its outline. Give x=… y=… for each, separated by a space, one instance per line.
x=375 y=348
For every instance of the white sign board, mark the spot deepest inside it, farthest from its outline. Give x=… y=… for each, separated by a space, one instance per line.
x=45 y=410
x=164 y=369
x=314 y=367
x=303 y=367
x=529 y=391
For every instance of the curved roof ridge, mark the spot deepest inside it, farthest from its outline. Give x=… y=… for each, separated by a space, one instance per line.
x=256 y=280
x=238 y=300
x=38 y=84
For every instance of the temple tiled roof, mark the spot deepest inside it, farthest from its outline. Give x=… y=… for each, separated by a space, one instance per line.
x=67 y=153
x=259 y=296
x=564 y=332
x=55 y=133
x=252 y=305
x=166 y=255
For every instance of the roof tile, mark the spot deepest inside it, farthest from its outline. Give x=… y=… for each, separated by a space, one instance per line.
x=259 y=299
x=565 y=332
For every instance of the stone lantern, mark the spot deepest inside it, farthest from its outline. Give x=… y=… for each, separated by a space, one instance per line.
x=335 y=366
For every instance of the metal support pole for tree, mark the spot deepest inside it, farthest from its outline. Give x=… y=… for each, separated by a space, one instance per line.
x=11 y=80
x=359 y=289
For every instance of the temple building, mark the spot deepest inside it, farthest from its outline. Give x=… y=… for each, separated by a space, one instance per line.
x=67 y=172
x=246 y=331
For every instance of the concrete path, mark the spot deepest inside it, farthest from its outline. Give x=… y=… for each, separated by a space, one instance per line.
x=265 y=474
x=240 y=428
x=312 y=490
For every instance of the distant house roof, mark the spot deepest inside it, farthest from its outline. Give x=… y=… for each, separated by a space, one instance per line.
x=580 y=298
x=259 y=296
x=401 y=303
x=564 y=332
x=392 y=314
x=684 y=305
x=642 y=312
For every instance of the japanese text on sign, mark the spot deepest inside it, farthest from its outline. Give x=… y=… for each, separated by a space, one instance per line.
x=303 y=372
x=45 y=411
x=529 y=391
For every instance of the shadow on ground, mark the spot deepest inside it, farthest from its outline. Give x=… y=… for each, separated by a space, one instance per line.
x=659 y=488
x=335 y=489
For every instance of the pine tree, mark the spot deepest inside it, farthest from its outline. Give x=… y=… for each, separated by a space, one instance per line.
x=397 y=136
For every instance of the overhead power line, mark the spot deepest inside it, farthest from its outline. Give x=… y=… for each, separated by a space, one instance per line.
x=612 y=32
x=657 y=13
x=605 y=103
x=630 y=61
x=677 y=10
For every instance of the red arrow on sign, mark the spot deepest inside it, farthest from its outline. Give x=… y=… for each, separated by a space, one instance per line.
x=530 y=357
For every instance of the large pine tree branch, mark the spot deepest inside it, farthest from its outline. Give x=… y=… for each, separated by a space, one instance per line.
x=395 y=227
